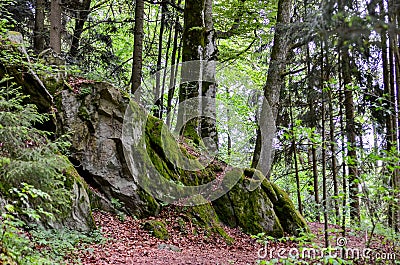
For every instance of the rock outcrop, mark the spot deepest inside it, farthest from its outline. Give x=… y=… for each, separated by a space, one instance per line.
x=93 y=115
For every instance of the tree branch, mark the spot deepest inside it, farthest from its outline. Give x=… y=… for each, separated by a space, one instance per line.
x=229 y=33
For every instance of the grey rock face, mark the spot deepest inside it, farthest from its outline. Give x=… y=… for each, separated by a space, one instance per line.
x=93 y=117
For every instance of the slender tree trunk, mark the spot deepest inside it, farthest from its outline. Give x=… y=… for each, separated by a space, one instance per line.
x=136 y=79
x=350 y=124
x=323 y=147
x=192 y=50
x=174 y=63
x=296 y=166
x=55 y=26
x=392 y=105
x=274 y=83
x=333 y=158
x=81 y=17
x=158 y=98
x=315 y=178
x=351 y=137
x=343 y=149
x=165 y=71
x=39 y=34
x=387 y=91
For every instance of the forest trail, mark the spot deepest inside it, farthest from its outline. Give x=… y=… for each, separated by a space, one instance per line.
x=128 y=243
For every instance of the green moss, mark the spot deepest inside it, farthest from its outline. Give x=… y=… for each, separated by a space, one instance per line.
x=206 y=217
x=156 y=228
x=83 y=113
x=291 y=220
x=152 y=206
x=72 y=177
x=253 y=210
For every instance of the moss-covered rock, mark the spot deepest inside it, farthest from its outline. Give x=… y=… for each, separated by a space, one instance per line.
x=259 y=208
x=79 y=215
x=156 y=228
x=251 y=210
x=290 y=218
x=206 y=217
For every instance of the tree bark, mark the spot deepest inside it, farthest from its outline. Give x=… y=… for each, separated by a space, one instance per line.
x=39 y=34
x=55 y=26
x=208 y=118
x=350 y=123
x=158 y=98
x=174 y=63
x=80 y=19
x=136 y=79
x=274 y=83
x=198 y=44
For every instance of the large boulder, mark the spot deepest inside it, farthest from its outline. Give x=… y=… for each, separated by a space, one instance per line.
x=93 y=116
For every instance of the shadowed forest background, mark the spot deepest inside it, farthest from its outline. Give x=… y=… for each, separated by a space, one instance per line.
x=329 y=72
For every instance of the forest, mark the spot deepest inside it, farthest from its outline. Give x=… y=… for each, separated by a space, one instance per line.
x=199 y=132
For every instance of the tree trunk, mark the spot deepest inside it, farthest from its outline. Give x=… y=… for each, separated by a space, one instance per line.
x=136 y=79
x=192 y=49
x=39 y=34
x=174 y=63
x=81 y=17
x=158 y=98
x=333 y=158
x=296 y=166
x=350 y=123
x=209 y=89
x=274 y=83
x=55 y=26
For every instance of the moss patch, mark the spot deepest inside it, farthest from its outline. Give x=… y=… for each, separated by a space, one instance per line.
x=253 y=209
x=206 y=217
x=156 y=228
x=291 y=220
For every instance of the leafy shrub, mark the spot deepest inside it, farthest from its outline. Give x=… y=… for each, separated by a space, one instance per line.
x=32 y=183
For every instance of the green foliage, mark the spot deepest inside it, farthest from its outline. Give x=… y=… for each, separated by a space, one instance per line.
x=119 y=206
x=6 y=19
x=40 y=246
x=32 y=183
x=30 y=162
x=58 y=244
x=15 y=246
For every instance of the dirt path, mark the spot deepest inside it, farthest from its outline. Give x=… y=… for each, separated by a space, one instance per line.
x=128 y=243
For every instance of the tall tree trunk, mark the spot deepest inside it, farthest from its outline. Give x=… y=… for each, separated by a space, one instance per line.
x=174 y=63
x=274 y=83
x=387 y=91
x=158 y=110
x=351 y=137
x=209 y=89
x=296 y=166
x=136 y=79
x=55 y=26
x=333 y=158
x=39 y=34
x=198 y=44
x=81 y=17
x=393 y=78
x=350 y=123
x=343 y=149
x=192 y=50
x=323 y=147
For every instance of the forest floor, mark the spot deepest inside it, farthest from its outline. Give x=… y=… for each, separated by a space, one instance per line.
x=127 y=243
